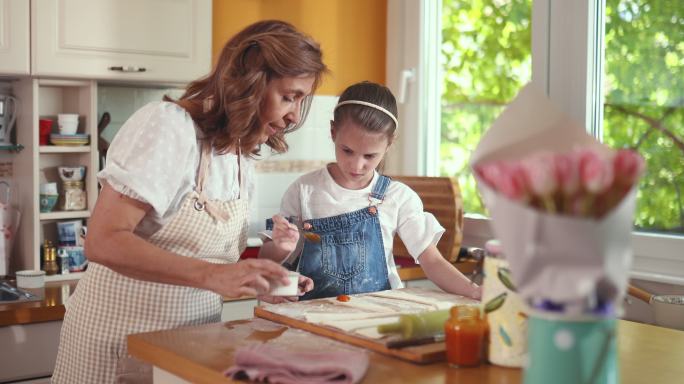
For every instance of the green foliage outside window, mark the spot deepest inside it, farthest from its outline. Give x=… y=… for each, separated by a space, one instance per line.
x=486 y=54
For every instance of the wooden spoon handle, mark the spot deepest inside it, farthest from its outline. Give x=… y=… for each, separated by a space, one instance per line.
x=639 y=293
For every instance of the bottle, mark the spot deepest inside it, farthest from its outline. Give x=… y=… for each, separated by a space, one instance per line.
x=417 y=325
x=465 y=333
x=50 y=259
x=74 y=196
x=506 y=313
x=63 y=256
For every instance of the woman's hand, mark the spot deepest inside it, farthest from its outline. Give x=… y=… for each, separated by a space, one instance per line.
x=251 y=277
x=285 y=235
x=305 y=285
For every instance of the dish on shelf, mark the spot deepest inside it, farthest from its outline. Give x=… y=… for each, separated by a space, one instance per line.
x=74 y=140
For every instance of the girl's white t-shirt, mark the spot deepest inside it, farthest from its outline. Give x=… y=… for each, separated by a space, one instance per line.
x=316 y=195
x=154 y=159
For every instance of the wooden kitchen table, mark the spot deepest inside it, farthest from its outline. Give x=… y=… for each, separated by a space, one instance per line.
x=648 y=354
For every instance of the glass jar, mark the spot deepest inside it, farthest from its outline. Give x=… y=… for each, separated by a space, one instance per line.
x=465 y=332
x=50 y=259
x=74 y=196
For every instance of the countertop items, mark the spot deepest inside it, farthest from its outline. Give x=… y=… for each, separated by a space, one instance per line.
x=201 y=354
x=51 y=308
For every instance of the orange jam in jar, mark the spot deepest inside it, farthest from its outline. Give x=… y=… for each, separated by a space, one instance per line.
x=464 y=331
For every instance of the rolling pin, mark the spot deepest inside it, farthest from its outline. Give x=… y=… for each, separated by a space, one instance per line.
x=417 y=325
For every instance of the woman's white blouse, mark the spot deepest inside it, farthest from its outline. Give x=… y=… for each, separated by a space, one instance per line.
x=154 y=159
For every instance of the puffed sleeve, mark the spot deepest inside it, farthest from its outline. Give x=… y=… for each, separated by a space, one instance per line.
x=416 y=228
x=146 y=156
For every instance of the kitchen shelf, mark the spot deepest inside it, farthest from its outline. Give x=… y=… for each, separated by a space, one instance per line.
x=64 y=215
x=64 y=149
x=68 y=276
x=38 y=164
x=11 y=147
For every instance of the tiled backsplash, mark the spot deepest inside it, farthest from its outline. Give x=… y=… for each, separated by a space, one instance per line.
x=310 y=148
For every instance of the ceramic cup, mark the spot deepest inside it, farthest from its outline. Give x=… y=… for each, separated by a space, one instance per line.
x=68 y=232
x=30 y=279
x=287 y=290
x=571 y=350
x=68 y=123
x=71 y=173
x=48 y=189
x=48 y=202
x=45 y=130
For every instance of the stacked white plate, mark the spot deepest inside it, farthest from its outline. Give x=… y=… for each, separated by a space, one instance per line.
x=73 y=140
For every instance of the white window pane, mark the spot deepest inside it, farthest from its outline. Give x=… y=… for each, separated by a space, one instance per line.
x=644 y=102
x=486 y=59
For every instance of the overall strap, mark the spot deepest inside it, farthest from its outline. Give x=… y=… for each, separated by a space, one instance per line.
x=379 y=189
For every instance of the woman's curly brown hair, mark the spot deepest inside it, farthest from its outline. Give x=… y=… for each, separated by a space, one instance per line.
x=226 y=104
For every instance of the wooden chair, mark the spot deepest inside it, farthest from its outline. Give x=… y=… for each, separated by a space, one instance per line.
x=441 y=196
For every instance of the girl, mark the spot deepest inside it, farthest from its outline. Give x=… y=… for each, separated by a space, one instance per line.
x=356 y=211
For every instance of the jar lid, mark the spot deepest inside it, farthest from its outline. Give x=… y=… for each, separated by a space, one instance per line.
x=493 y=248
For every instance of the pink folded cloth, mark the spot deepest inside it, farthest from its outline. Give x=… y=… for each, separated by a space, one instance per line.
x=276 y=365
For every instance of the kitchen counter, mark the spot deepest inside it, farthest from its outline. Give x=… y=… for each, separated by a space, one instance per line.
x=50 y=308
x=55 y=294
x=200 y=354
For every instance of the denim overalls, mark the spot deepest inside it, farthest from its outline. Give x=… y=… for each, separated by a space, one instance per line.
x=350 y=258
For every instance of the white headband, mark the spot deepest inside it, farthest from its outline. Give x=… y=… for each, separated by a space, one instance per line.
x=367 y=104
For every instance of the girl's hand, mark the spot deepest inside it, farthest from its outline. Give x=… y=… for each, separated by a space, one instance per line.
x=305 y=285
x=251 y=277
x=285 y=235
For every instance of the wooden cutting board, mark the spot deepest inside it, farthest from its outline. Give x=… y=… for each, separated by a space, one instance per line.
x=294 y=315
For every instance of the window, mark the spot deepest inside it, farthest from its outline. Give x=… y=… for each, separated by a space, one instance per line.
x=485 y=59
x=639 y=77
x=644 y=102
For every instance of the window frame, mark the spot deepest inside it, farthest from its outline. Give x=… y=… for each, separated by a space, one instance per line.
x=567 y=63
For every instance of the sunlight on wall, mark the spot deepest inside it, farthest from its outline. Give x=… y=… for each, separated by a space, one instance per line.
x=351 y=33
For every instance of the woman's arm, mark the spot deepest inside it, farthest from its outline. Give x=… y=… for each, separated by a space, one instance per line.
x=112 y=243
x=445 y=275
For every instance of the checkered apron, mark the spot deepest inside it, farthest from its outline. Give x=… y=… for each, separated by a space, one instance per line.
x=107 y=306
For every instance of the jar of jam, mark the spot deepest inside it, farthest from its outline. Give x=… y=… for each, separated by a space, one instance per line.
x=464 y=332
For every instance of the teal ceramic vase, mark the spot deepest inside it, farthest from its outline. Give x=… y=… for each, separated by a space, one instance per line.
x=571 y=350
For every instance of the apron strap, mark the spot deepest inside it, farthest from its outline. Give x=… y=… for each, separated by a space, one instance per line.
x=202 y=202
x=379 y=189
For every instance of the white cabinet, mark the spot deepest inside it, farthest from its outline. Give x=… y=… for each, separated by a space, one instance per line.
x=151 y=40
x=28 y=351
x=36 y=164
x=14 y=37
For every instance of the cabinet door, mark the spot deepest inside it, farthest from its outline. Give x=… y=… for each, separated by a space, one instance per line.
x=14 y=37
x=151 y=40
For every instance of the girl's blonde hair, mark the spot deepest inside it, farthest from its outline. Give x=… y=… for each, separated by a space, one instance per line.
x=226 y=104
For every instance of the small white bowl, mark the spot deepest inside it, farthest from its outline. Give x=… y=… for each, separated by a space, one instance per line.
x=30 y=279
x=68 y=127
x=287 y=290
x=67 y=117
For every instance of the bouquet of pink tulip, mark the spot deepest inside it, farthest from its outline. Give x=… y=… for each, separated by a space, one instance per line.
x=561 y=204
x=583 y=182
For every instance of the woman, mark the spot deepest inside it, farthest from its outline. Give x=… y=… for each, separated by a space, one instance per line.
x=171 y=220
